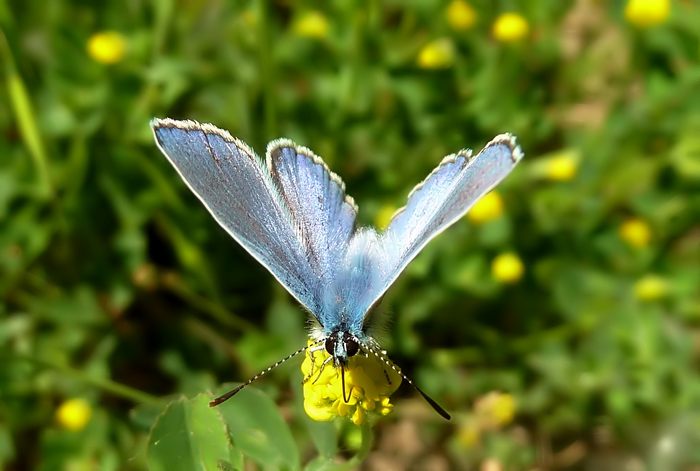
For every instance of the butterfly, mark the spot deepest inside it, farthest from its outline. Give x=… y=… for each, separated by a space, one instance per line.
x=291 y=213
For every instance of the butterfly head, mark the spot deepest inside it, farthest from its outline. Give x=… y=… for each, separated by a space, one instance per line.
x=341 y=345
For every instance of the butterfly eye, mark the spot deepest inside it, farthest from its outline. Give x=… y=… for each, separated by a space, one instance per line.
x=351 y=346
x=330 y=344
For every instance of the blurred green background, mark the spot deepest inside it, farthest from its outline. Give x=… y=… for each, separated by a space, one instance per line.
x=559 y=321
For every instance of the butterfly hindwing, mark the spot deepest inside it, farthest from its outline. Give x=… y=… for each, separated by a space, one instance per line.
x=362 y=273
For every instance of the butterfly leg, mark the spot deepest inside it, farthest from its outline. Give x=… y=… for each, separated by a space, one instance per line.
x=320 y=370
x=312 y=354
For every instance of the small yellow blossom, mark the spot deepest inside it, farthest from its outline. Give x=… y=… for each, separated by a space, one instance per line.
x=383 y=216
x=645 y=13
x=635 y=232
x=489 y=207
x=437 y=54
x=460 y=15
x=495 y=409
x=507 y=268
x=107 y=47
x=562 y=167
x=74 y=414
x=250 y=18
x=312 y=24
x=366 y=385
x=469 y=433
x=510 y=27
x=650 y=288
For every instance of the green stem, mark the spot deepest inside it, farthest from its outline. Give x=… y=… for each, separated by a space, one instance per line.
x=212 y=337
x=351 y=73
x=143 y=107
x=365 y=446
x=212 y=309
x=266 y=72
x=107 y=385
x=163 y=10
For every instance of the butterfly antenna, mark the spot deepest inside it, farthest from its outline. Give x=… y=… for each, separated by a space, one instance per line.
x=234 y=391
x=384 y=359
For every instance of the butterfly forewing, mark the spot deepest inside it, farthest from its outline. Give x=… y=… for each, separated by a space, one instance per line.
x=440 y=200
x=238 y=190
x=324 y=214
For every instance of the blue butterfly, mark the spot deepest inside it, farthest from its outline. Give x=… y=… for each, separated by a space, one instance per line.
x=291 y=213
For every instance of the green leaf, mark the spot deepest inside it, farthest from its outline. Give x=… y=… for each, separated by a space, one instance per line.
x=324 y=436
x=322 y=463
x=144 y=415
x=258 y=430
x=189 y=435
x=26 y=118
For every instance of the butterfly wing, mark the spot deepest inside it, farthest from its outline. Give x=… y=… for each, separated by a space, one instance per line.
x=325 y=215
x=435 y=204
x=256 y=207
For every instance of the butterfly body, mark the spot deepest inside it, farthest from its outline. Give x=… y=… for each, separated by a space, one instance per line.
x=291 y=213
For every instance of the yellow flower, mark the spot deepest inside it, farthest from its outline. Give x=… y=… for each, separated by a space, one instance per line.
x=250 y=18
x=562 y=166
x=645 y=13
x=366 y=385
x=635 y=232
x=107 y=47
x=650 y=288
x=437 y=54
x=460 y=15
x=510 y=27
x=74 y=414
x=507 y=268
x=489 y=207
x=312 y=24
x=469 y=433
x=383 y=216
x=495 y=409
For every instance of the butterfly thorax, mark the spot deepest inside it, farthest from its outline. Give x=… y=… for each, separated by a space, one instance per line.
x=341 y=345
